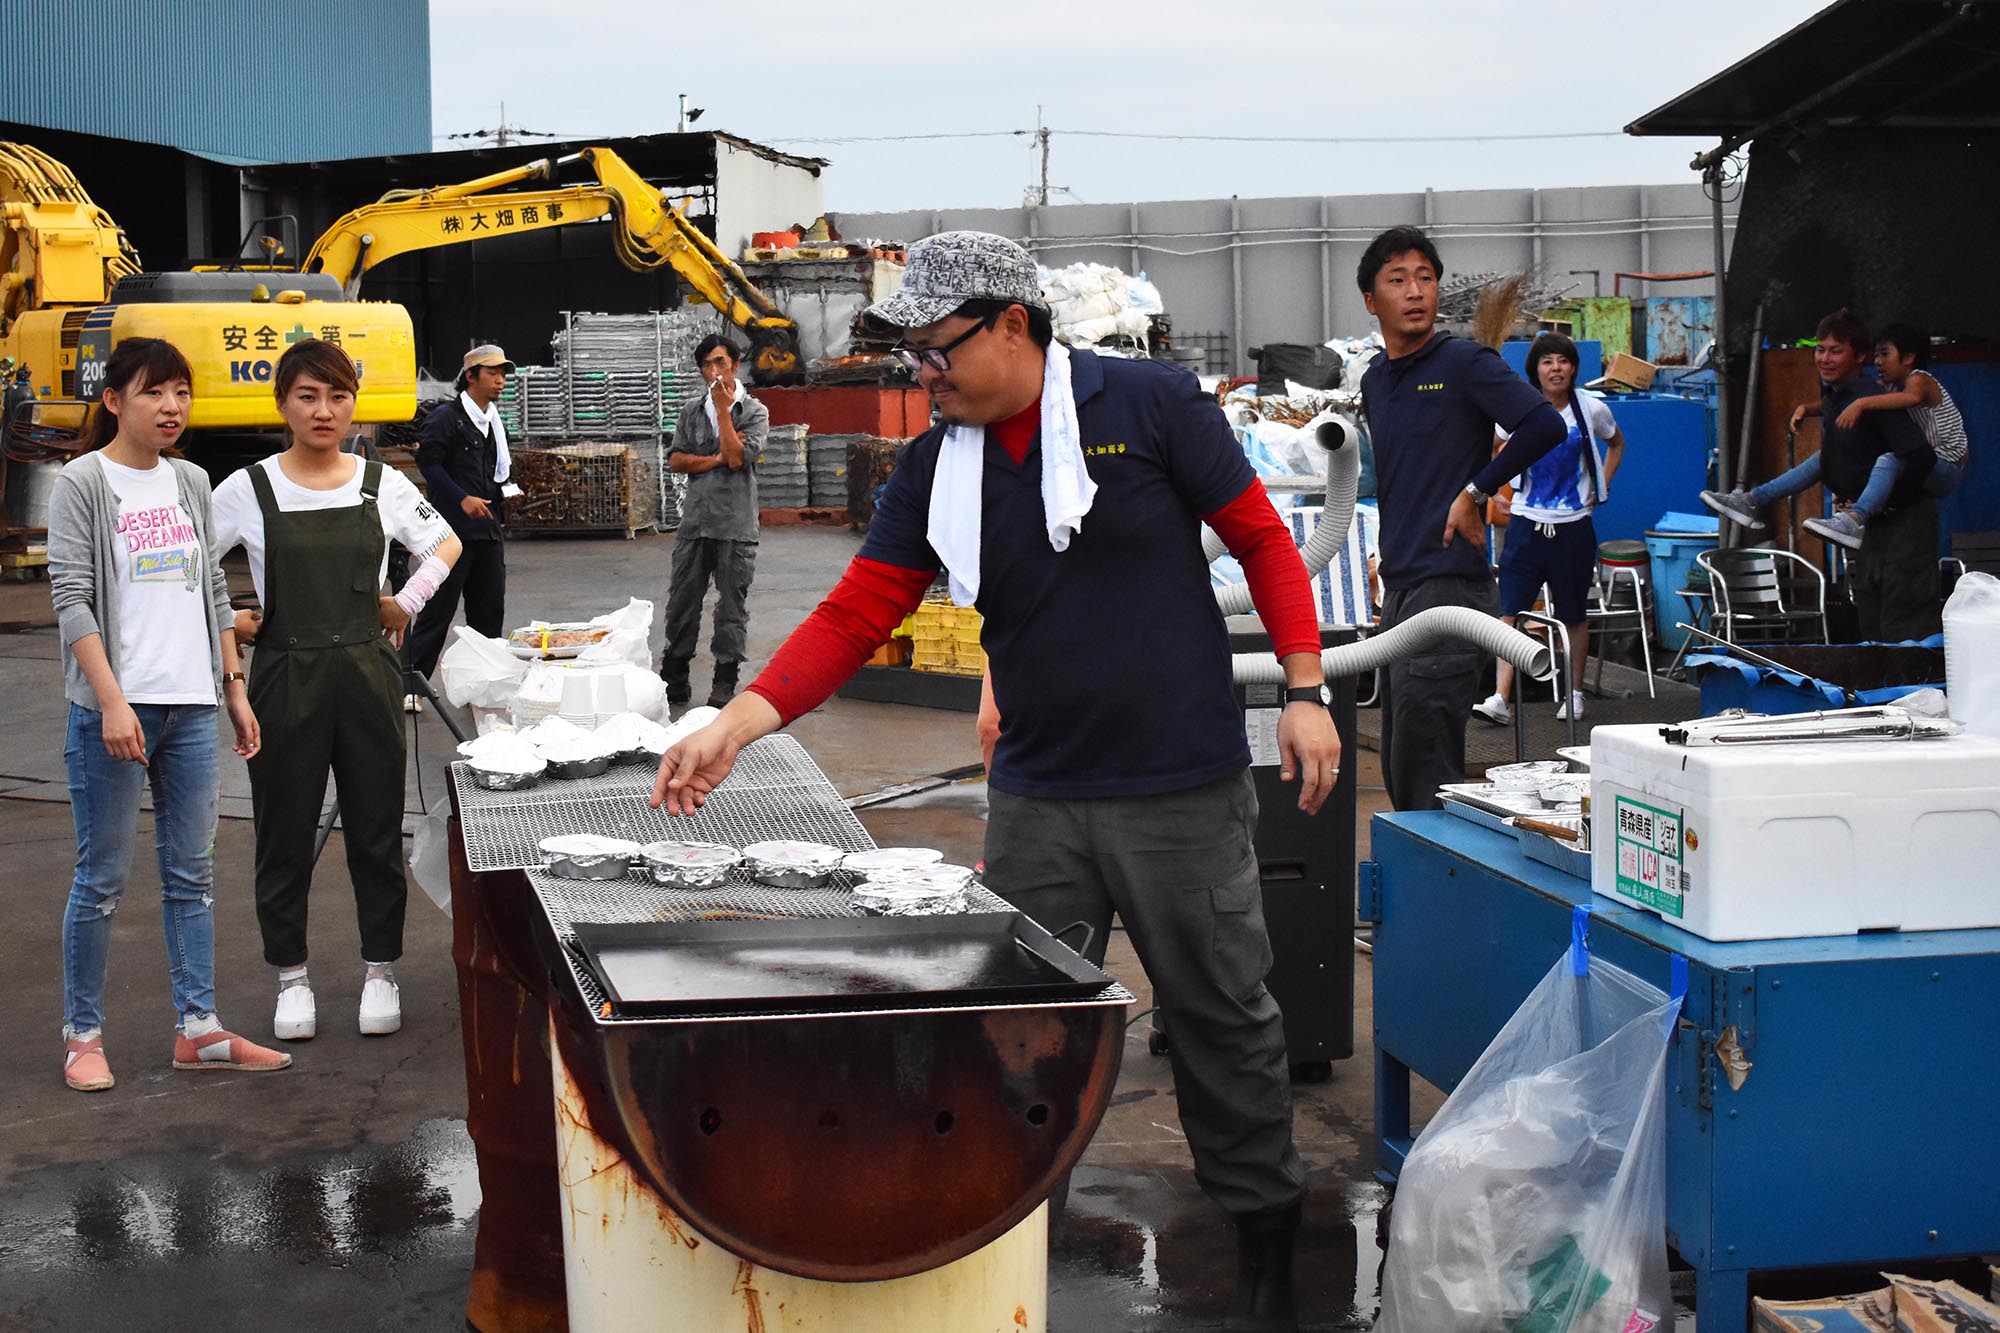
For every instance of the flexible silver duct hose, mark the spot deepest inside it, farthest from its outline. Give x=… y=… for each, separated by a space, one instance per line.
x=1341 y=439
x=1420 y=632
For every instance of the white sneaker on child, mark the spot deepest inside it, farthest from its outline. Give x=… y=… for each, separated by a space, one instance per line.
x=1572 y=709
x=1495 y=710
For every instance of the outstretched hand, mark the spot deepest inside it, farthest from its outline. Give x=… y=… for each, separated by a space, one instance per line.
x=693 y=768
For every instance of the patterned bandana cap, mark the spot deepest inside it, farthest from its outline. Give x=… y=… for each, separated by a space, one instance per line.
x=953 y=267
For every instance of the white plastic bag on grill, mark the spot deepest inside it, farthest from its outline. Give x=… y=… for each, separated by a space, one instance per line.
x=477 y=670
x=1535 y=1200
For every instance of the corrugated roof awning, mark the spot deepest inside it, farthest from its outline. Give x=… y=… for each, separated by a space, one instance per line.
x=1859 y=63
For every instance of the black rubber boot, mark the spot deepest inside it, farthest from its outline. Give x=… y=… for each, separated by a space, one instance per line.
x=674 y=671
x=722 y=686
x=1264 y=1243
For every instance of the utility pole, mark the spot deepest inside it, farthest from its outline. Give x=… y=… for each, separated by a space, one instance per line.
x=683 y=128
x=1042 y=137
x=500 y=135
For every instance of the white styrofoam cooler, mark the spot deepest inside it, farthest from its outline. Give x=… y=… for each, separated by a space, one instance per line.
x=1758 y=842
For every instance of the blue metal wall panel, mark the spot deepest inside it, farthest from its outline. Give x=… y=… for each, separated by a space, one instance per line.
x=269 y=81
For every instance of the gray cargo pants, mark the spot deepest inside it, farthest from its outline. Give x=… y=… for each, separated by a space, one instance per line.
x=1180 y=870
x=731 y=565
x=1426 y=699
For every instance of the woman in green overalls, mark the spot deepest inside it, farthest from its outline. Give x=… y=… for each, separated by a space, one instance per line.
x=325 y=680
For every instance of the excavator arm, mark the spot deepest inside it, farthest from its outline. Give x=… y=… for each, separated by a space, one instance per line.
x=57 y=247
x=649 y=233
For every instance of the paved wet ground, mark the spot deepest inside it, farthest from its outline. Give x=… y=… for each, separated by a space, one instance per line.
x=340 y=1194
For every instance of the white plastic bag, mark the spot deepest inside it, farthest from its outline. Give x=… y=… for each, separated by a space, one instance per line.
x=630 y=625
x=1972 y=653
x=477 y=670
x=430 y=854
x=1535 y=1200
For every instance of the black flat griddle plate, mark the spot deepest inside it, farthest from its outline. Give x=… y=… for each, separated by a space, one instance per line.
x=661 y=968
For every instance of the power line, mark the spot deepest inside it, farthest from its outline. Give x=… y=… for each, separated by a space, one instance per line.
x=1206 y=138
x=1340 y=138
x=902 y=138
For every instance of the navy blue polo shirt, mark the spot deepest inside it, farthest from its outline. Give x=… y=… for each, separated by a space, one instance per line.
x=1431 y=418
x=1110 y=660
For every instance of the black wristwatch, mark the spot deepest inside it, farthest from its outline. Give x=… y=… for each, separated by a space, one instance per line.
x=1305 y=694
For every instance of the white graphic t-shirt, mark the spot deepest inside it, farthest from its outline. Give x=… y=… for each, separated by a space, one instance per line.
x=406 y=515
x=163 y=651
x=1563 y=484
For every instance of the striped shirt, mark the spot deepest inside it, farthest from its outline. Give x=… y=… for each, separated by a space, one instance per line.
x=1943 y=426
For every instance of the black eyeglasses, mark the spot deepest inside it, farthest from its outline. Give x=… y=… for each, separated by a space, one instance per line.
x=915 y=359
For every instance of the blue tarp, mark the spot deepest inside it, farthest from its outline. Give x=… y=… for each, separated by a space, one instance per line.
x=1731 y=682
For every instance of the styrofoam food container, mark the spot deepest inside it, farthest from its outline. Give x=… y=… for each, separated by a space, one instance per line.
x=1804 y=838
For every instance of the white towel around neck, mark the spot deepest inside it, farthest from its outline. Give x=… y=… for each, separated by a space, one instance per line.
x=489 y=417
x=708 y=405
x=956 y=490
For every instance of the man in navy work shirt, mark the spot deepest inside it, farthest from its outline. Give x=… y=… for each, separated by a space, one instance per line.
x=1065 y=495
x=1433 y=402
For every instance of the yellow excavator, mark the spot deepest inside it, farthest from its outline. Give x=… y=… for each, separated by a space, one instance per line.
x=71 y=287
x=648 y=232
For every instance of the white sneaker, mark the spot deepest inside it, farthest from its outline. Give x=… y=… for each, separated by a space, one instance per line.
x=1574 y=708
x=381 y=1007
x=298 y=1016
x=413 y=703
x=1495 y=710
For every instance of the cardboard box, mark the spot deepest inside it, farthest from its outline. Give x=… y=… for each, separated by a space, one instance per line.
x=1630 y=370
x=1906 y=1305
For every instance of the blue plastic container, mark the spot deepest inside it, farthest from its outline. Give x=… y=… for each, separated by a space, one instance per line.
x=1673 y=556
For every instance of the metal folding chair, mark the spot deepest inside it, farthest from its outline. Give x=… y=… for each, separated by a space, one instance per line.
x=1765 y=595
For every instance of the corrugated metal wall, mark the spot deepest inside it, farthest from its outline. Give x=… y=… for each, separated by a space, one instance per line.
x=269 y=81
x=1282 y=270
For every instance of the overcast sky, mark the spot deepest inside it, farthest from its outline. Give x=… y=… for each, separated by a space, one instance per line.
x=789 y=74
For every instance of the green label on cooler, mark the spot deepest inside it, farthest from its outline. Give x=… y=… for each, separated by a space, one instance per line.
x=1647 y=843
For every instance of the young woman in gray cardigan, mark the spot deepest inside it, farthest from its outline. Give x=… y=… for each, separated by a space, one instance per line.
x=148 y=648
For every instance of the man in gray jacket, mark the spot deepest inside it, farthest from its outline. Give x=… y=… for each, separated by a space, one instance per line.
x=717 y=440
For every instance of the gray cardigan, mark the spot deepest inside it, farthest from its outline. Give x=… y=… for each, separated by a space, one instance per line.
x=83 y=560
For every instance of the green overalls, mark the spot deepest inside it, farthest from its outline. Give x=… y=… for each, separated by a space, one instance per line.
x=328 y=692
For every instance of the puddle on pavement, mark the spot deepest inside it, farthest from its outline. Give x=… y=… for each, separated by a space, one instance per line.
x=1119 y=1262
x=404 y=1199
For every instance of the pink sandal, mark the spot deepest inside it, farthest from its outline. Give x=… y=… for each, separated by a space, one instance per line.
x=84 y=1065
x=223 y=1049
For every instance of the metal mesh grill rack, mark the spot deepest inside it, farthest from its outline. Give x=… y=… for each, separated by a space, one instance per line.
x=776 y=791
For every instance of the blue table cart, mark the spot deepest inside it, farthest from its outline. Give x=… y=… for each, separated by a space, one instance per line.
x=1866 y=1127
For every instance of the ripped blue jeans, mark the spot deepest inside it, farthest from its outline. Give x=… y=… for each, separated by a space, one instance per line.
x=181 y=751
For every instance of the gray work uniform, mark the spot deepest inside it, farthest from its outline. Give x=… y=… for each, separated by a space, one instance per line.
x=717 y=539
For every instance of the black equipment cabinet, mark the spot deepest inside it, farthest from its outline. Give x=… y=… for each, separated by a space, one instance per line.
x=1307 y=867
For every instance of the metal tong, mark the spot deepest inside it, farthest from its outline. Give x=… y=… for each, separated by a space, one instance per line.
x=1879 y=722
